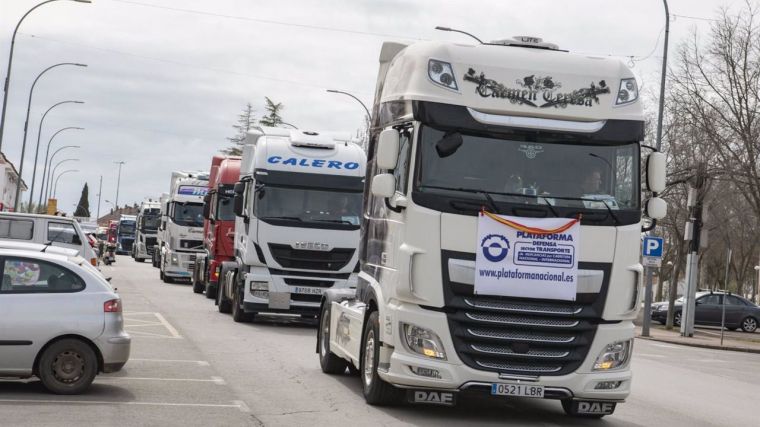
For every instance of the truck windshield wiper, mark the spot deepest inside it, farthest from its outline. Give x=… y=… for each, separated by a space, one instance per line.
x=290 y=218
x=604 y=202
x=337 y=221
x=489 y=198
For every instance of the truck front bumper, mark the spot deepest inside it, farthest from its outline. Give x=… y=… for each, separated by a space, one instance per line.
x=453 y=375
x=182 y=268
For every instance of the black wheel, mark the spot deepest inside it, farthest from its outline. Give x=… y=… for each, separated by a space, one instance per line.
x=749 y=324
x=677 y=318
x=375 y=390
x=210 y=292
x=330 y=363
x=238 y=314
x=223 y=304
x=571 y=409
x=67 y=366
x=197 y=286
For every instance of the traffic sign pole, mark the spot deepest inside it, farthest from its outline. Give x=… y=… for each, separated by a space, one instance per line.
x=652 y=252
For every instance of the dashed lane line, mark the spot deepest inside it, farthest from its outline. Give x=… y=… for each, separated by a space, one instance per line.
x=198 y=362
x=236 y=404
x=215 y=380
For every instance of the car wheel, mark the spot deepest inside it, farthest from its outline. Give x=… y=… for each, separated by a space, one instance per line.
x=67 y=366
x=749 y=324
x=677 y=318
x=329 y=362
x=375 y=390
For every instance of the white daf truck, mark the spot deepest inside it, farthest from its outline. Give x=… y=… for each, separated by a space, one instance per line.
x=146 y=231
x=182 y=225
x=538 y=145
x=297 y=208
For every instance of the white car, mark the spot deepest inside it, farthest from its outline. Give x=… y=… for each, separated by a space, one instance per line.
x=61 y=319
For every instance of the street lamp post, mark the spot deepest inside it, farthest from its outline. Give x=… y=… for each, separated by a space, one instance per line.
x=55 y=187
x=50 y=183
x=118 y=181
x=6 y=85
x=23 y=149
x=369 y=116
x=46 y=164
x=46 y=187
x=36 y=155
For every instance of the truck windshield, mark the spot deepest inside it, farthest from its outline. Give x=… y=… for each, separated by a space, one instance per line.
x=224 y=209
x=302 y=207
x=188 y=214
x=549 y=172
x=127 y=227
x=150 y=222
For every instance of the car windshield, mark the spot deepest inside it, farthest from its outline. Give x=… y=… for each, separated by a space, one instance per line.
x=188 y=214
x=309 y=206
x=559 y=173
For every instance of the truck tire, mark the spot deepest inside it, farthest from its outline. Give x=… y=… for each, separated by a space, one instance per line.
x=238 y=313
x=330 y=363
x=376 y=391
x=67 y=366
x=222 y=303
x=210 y=292
x=197 y=285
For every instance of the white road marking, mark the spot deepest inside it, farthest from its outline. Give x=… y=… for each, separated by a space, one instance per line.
x=143 y=334
x=168 y=326
x=214 y=380
x=199 y=362
x=649 y=355
x=219 y=380
x=665 y=345
x=105 y=402
x=243 y=407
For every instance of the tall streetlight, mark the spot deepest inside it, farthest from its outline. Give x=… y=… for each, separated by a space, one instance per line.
x=50 y=183
x=37 y=152
x=55 y=187
x=369 y=116
x=6 y=85
x=23 y=148
x=46 y=185
x=45 y=165
x=118 y=181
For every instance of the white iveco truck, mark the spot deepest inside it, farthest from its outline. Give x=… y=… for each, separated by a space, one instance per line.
x=181 y=232
x=146 y=230
x=298 y=205
x=476 y=274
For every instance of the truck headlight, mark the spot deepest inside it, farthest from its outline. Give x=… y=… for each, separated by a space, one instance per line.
x=441 y=73
x=628 y=92
x=175 y=259
x=615 y=355
x=423 y=341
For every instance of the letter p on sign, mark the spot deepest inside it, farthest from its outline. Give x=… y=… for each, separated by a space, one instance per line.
x=652 y=247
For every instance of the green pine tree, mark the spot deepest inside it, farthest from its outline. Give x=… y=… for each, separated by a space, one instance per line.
x=246 y=121
x=83 y=207
x=273 y=116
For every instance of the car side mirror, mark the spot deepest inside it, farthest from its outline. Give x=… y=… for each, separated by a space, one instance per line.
x=387 y=149
x=384 y=185
x=656 y=174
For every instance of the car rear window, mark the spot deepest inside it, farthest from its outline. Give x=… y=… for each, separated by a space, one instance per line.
x=25 y=275
x=63 y=233
x=18 y=229
x=732 y=300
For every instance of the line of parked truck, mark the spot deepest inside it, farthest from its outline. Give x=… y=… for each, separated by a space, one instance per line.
x=382 y=249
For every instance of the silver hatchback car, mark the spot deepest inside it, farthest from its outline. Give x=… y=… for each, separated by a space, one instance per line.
x=59 y=320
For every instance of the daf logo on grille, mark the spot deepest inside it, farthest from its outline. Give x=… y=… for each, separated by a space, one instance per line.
x=312 y=246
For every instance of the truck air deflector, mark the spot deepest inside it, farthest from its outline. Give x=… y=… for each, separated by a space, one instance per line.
x=522 y=336
x=536 y=122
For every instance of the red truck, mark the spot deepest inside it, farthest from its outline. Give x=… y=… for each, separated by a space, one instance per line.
x=218 y=225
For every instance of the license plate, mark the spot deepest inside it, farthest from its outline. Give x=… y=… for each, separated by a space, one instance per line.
x=307 y=290
x=520 y=390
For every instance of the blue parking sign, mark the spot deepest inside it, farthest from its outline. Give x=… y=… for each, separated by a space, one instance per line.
x=652 y=247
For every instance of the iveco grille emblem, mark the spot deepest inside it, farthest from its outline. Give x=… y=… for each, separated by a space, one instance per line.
x=312 y=246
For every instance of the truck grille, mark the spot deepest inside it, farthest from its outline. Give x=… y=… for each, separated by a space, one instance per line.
x=150 y=243
x=521 y=336
x=191 y=244
x=307 y=282
x=332 y=260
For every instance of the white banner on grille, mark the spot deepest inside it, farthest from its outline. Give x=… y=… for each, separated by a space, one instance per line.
x=511 y=262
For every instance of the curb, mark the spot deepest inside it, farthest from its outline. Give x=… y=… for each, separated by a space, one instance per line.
x=700 y=345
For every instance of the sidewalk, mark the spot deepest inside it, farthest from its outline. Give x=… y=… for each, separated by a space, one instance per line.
x=705 y=338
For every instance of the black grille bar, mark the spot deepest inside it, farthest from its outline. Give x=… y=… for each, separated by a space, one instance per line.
x=332 y=260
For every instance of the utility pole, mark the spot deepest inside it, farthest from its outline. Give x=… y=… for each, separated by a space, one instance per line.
x=723 y=300
x=118 y=183
x=649 y=271
x=100 y=192
x=694 y=235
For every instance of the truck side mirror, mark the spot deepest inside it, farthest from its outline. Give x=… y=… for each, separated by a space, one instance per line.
x=656 y=172
x=383 y=185
x=656 y=208
x=238 y=199
x=207 y=206
x=387 y=149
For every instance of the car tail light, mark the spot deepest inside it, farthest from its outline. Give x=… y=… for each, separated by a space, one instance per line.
x=216 y=273
x=94 y=261
x=112 y=306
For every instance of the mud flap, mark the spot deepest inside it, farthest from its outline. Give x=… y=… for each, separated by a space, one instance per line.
x=592 y=407
x=432 y=397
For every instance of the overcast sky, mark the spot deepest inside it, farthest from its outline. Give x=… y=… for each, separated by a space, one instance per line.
x=166 y=79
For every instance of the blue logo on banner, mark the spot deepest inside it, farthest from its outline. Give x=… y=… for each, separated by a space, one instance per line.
x=312 y=163
x=495 y=247
x=187 y=190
